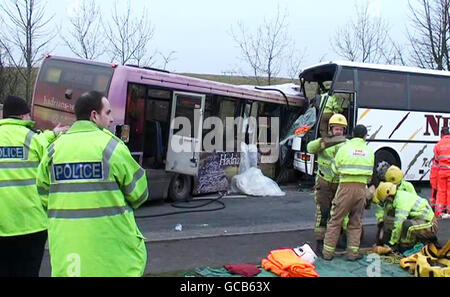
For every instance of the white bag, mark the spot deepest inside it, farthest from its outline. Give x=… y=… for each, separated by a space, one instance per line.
x=253 y=182
x=306 y=253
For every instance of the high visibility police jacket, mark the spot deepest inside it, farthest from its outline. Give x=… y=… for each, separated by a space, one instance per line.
x=442 y=152
x=381 y=212
x=354 y=162
x=325 y=158
x=90 y=184
x=409 y=206
x=21 y=150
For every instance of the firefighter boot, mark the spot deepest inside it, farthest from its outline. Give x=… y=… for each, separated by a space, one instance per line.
x=352 y=256
x=327 y=256
x=319 y=248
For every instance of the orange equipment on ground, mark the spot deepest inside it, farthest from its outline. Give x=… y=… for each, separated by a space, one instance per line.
x=286 y=263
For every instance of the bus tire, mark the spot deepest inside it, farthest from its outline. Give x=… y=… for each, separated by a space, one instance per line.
x=180 y=188
x=384 y=155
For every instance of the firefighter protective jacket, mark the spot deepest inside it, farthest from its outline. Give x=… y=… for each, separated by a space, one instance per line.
x=381 y=212
x=409 y=206
x=325 y=159
x=354 y=162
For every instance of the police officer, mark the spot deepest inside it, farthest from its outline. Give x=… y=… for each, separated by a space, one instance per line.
x=90 y=185
x=326 y=182
x=354 y=165
x=23 y=221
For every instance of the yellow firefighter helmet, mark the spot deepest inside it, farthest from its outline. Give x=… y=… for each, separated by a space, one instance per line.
x=394 y=175
x=384 y=190
x=337 y=120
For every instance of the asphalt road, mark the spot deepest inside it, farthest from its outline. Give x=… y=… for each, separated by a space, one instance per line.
x=245 y=231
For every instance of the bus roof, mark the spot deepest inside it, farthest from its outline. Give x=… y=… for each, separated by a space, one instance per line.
x=395 y=68
x=179 y=81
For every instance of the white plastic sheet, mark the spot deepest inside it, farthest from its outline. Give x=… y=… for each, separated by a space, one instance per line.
x=251 y=180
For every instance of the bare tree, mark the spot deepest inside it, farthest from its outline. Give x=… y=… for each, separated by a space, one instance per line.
x=8 y=75
x=167 y=58
x=430 y=33
x=364 y=39
x=265 y=49
x=86 y=36
x=25 y=36
x=295 y=61
x=129 y=37
x=394 y=53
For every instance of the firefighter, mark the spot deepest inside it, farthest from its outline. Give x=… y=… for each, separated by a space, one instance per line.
x=385 y=215
x=414 y=218
x=23 y=221
x=326 y=181
x=90 y=184
x=442 y=157
x=354 y=165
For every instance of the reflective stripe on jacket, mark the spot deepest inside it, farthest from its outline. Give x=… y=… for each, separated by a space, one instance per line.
x=442 y=152
x=325 y=159
x=405 y=186
x=334 y=104
x=21 y=150
x=354 y=162
x=90 y=183
x=409 y=206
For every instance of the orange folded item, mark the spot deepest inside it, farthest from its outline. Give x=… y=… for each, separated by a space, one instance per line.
x=269 y=266
x=286 y=263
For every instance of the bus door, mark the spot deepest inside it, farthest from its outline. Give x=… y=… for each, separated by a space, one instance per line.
x=185 y=137
x=348 y=104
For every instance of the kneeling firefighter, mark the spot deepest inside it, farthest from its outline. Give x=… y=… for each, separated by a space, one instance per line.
x=386 y=215
x=414 y=218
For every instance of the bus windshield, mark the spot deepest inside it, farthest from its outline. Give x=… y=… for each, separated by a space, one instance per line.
x=60 y=83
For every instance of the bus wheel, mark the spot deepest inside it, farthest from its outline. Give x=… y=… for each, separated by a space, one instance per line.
x=380 y=156
x=180 y=188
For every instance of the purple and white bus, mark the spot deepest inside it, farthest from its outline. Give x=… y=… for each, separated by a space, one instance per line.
x=144 y=103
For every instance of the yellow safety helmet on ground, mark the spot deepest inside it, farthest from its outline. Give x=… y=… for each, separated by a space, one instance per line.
x=394 y=175
x=384 y=190
x=337 y=120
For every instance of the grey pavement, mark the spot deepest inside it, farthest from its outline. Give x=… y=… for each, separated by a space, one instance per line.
x=243 y=232
x=242 y=215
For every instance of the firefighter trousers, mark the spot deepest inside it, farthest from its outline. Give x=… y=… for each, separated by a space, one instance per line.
x=325 y=192
x=350 y=200
x=418 y=230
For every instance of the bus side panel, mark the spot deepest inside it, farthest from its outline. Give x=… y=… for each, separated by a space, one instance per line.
x=415 y=158
x=118 y=95
x=412 y=135
x=402 y=125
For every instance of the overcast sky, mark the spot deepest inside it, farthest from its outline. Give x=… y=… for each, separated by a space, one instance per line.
x=199 y=30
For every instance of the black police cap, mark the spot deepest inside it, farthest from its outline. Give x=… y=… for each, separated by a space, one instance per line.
x=15 y=106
